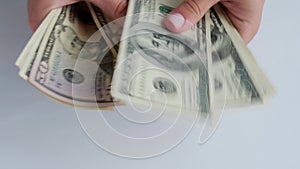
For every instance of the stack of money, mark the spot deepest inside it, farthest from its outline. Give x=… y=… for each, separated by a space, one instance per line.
x=69 y=38
x=204 y=69
x=75 y=58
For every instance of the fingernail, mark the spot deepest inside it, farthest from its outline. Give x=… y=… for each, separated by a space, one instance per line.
x=177 y=20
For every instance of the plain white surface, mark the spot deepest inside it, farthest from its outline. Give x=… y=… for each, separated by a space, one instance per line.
x=36 y=132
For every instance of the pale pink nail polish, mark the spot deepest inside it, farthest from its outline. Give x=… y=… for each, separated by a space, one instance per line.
x=177 y=20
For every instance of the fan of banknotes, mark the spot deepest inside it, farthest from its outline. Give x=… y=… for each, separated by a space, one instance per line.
x=79 y=57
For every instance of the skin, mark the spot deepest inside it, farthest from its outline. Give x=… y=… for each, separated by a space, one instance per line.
x=244 y=14
x=38 y=9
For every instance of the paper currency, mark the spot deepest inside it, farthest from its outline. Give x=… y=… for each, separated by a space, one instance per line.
x=68 y=53
x=28 y=54
x=71 y=58
x=238 y=79
x=158 y=67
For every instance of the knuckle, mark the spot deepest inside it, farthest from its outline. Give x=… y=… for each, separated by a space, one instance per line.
x=194 y=7
x=120 y=8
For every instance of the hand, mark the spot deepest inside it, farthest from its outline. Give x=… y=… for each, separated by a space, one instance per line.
x=38 y=9
x=244 y=14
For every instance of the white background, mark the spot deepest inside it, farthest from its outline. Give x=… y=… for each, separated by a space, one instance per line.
x=37 y=132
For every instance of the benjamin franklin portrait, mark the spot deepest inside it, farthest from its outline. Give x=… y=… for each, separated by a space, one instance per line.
x=163 y=48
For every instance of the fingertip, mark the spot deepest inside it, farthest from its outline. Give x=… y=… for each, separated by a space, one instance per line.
x=247 y=34
x=32 y=25
x=175 y=22
x=247 y=39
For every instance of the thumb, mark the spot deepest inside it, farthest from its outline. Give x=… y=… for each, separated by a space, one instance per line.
x=187 y=14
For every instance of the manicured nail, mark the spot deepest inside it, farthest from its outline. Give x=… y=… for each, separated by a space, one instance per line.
x=177 y=20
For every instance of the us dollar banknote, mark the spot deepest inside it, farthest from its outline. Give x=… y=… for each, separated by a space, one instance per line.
x=238 y=80
x=28 y=54
x=69 y=60
x=157 y=67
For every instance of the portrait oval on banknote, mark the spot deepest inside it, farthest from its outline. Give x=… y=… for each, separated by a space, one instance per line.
x=73 y=76
x=221 y=44
x=163 y=48
x=164 y=85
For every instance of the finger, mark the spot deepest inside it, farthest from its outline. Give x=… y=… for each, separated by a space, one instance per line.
x=246 y=29
x=38 y=10
x=245 y=16
x=187 y=14
x=114 y=9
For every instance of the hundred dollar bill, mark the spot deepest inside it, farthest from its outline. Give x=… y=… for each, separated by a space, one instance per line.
x=157 y=67
x=238 y=80
x=73 y=63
